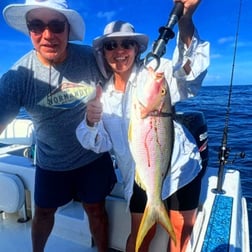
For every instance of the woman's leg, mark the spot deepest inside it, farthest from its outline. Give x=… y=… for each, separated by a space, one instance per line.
x=183 y=222
x=131 y=242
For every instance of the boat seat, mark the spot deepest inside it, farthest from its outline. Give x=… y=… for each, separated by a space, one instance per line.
x=12 y=194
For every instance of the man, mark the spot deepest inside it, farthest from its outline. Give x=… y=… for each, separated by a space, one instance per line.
x=53 y=82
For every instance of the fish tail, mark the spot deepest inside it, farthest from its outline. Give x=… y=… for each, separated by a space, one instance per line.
x=148 y=220
x=165 y=222
x=151 y=216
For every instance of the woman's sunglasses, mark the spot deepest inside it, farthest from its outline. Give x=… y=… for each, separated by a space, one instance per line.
x=38 y=26
x=124 y=44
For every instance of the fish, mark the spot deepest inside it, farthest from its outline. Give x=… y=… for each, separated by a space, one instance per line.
x=151 y=136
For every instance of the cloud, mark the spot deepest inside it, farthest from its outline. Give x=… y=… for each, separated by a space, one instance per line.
x=216 y=56
x=108 y=15
x=244 y=44
x=231 y=40
x=226 y=40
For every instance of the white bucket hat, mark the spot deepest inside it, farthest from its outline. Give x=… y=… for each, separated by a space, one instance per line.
x=117 y=29
x=15 y=16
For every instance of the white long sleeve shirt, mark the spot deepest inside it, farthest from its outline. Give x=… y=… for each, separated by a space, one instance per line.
x=111 y=133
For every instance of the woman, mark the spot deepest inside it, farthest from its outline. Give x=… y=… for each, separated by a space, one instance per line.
x=105 y=125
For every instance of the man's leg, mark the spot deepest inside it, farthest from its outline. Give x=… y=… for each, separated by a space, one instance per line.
x=98 y=222
x=42 y=225
x=95 y=181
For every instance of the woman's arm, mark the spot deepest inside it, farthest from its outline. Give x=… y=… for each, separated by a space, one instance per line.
x=93 y=138
x=185 y=24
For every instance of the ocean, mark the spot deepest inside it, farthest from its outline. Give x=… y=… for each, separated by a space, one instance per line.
x=213 y=101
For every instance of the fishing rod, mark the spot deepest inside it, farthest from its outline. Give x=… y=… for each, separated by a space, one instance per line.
x=166 y=33
x=224 y=150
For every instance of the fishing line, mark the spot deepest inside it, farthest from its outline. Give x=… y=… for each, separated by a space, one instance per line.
x=233 y=65
x=224 y=151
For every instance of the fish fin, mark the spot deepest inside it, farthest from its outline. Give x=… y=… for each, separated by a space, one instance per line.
x=130 y=131
x=139 y=181
x=164 y=221
x=148 y=220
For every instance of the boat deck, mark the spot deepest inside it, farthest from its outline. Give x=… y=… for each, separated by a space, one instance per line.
x=15 y=237
x=71 y=230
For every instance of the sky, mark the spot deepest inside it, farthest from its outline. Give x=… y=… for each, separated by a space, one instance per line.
x=215 y=20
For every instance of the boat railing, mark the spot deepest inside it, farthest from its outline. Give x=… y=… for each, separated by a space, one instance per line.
x=18 y=135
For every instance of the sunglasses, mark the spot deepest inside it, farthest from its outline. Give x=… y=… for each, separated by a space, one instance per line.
x=124 y=44
x=38 y=26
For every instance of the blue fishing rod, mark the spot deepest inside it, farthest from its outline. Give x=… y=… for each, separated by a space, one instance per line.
x=224 y=150
x=166 y=33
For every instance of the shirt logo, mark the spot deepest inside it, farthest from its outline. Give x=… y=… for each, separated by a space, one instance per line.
x=69 y=95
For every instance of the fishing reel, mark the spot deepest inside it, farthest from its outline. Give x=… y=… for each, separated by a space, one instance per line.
x=239 y=155
x=224 y=154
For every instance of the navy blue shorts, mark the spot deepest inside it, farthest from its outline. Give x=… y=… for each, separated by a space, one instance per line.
x=187 y=197
x=89 y=184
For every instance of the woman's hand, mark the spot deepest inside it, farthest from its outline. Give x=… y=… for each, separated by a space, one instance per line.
x=189 y=7
x=185 y=24
x=94 y=108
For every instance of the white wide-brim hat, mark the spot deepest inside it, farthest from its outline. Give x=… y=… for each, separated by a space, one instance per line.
x=117 y=29
x=15 y=16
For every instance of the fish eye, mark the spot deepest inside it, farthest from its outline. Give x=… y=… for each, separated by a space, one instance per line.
x=163 y=91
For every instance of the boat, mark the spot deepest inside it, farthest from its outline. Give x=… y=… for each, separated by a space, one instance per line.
x=221 y=224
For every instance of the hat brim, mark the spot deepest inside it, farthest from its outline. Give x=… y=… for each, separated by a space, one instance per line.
x=15 y=16
x=140 y=38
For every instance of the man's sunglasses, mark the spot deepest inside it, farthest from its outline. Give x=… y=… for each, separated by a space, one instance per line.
x=38 y=26
x=124 y=44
